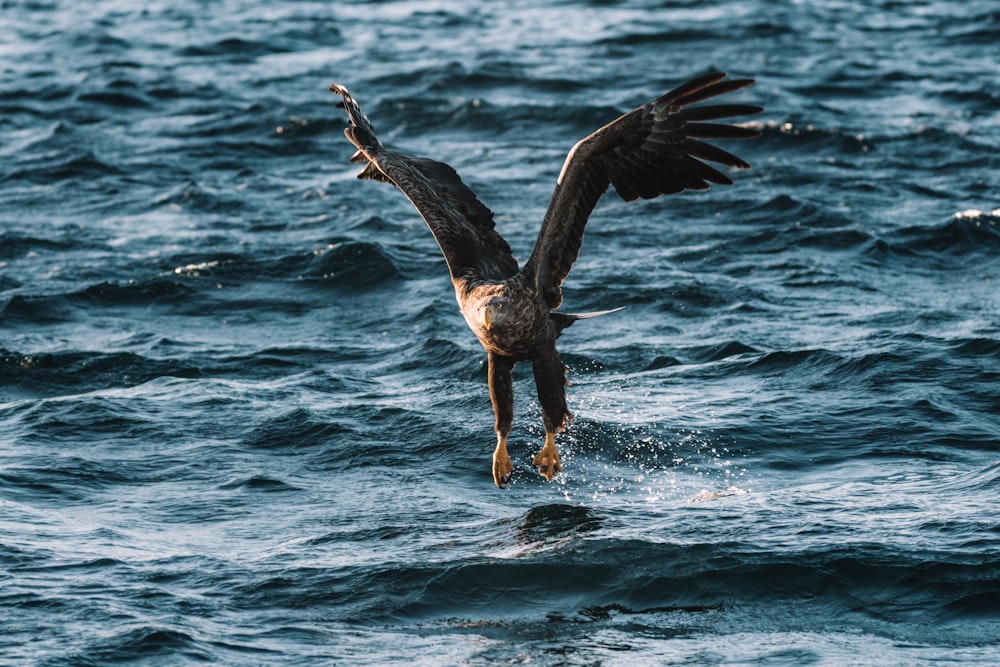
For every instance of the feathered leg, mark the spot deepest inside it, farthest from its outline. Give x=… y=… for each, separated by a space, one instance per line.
x=550 y=381
x=502 y=396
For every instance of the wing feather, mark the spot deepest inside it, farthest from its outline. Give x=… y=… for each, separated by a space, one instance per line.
x=712 y=153
x=715 y=111
x=650 y=151
x=719 y=131
x=461 y=224
x=702 y=88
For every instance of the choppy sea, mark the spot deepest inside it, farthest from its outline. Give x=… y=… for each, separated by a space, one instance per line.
x=242 y=421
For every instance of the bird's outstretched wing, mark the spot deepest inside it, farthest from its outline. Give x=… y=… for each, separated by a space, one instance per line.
x=650 y=151
x=461 y=224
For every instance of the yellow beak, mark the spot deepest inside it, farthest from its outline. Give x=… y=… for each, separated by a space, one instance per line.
x=489 y=314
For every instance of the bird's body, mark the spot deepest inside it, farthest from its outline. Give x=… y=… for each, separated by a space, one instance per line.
x=511 y=309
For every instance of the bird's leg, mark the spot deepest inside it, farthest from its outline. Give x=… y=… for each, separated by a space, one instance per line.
x=550 y=381
x=502 y=397
x=547 y=460
x=502 y=467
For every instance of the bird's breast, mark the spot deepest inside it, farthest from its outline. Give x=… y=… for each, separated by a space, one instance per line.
x=518 y=334
x=515 y=329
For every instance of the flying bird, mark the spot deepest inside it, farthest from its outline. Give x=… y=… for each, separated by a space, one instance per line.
x=652 y=150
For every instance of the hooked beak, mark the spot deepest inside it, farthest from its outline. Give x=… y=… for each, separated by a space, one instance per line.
x=490 y=313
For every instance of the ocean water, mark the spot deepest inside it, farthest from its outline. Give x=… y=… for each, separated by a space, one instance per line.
x=242 y=421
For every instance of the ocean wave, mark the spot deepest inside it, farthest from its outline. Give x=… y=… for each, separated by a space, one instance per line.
x=259 y=484
x=971 y=483
x=802 y=135
x=959 y=236
x=27 y=308
x=198 y=196
x=672 y=36
x=21 y=309
x=630 y=577
x=71 y=372
x=16 y=245
x=956 y=240
x=299 y=428
x=342 y=264
x=353 y=265
x=234 y=49
x=85 y=165
x=118 y=94
x=976 y=347
x=716 y=352
x=59 y=373
x=148 y=642
x=143 y=293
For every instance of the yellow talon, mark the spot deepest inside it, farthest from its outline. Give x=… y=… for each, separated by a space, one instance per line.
x=547 y=460
x=502 y=467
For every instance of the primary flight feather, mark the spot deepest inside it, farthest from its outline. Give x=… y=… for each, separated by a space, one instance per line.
x=652 y=150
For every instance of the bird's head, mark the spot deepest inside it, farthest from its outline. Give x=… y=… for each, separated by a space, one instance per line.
x=494 y=311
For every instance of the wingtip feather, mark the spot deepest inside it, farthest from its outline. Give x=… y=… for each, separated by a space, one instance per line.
x=360 y=132
x=694 y=85
x=711 y=89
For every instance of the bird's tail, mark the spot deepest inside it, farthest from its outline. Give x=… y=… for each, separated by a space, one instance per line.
x=563 y=320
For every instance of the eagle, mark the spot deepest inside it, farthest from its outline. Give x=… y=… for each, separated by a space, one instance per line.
x=652 y=150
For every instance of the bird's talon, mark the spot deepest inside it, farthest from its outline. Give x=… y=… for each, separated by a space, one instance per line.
x=547 y=460
x=503 y=469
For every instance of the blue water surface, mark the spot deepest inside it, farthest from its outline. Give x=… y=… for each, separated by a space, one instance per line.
x=243 y=422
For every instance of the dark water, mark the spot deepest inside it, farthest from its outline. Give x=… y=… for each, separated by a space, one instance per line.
x=242 y=421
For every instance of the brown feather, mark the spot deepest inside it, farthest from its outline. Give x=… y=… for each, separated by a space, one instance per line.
x=461 y=224
x=647 y=152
